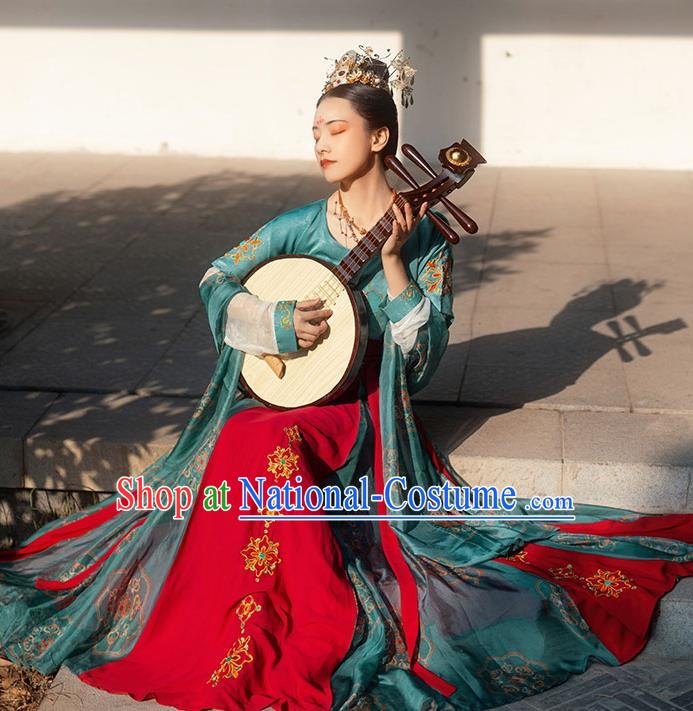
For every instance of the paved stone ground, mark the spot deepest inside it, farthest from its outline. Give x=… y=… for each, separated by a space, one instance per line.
x=568 y=369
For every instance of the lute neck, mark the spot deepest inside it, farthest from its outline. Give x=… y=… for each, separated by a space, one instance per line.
x=369 y=245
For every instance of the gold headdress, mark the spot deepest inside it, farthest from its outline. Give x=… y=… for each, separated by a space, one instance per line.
x=354 y=67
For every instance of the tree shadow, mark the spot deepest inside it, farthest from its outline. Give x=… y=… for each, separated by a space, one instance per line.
x=507 y=370
x=99 y=298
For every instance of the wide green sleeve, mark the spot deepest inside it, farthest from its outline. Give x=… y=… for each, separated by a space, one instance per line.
x=219 y=287
x=433 y=280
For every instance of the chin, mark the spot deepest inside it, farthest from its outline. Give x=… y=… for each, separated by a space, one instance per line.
x=333 y=175
x=338 y=174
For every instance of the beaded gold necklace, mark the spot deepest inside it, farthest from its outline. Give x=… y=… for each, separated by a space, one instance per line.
x=344 y=216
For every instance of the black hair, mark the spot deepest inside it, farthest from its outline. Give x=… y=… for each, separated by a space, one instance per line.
x=373 y=104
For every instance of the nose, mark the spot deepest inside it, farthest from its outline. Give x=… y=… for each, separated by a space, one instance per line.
x=321 y=147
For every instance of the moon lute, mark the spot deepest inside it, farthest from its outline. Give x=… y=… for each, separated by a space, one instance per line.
x=316 y=375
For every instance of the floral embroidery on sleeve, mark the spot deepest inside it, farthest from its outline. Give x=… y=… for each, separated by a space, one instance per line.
x=437 y=274
x=399 y=306
x=245 y=250
x=409 y=292
x=284 y=309
x=122 y=604
x=284 y=326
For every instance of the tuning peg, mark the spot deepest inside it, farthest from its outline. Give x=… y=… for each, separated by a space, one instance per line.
x=416 y=157
x=395 y=165
x=462 y=218
x=443 y=226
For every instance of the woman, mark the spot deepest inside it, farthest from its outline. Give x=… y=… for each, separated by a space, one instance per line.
x=214 y=612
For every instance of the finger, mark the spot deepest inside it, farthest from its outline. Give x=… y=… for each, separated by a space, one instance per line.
x=409 y=215
x=320 y=314
x=315 y=305
x=312 y=336
x=319 y=324
x=398 y=215
x=310 y=330
x=419 y=215
x=309 y=304
x=305 y=338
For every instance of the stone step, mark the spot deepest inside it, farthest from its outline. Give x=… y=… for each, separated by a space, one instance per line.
x=628 y=460
x=672 y=632
x=638 y=461
x=63 y=451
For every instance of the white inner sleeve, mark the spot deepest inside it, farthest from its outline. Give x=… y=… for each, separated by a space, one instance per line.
x=249 y=322
x=404 y=331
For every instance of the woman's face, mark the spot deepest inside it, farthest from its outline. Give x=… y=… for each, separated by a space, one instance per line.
x=342 y=136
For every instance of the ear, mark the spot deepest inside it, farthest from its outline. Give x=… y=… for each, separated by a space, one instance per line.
x=379 y=138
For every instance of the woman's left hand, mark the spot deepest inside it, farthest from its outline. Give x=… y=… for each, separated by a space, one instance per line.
x=402 y=227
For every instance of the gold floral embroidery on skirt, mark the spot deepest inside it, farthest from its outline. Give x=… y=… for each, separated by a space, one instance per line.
x=603 y=583
x=262 y=558
x=239 y=653
x=267 y=511
x=609 y=583
x=233 y=662
x=293 y=434
x=282 y=462
x=247 y=607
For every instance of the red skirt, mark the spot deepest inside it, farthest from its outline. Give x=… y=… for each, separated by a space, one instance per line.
x=252 y=613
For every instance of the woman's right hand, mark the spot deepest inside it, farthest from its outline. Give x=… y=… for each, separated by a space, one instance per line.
x=310 y=322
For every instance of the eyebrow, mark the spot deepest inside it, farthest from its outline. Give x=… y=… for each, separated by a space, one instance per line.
x=332 y=121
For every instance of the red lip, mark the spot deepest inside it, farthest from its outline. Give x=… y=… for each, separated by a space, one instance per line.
x=325 y=162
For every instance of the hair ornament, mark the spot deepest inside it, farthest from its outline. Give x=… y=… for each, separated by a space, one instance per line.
x=353 y=67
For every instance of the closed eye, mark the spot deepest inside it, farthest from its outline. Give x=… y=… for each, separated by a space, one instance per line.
x=332 y=133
